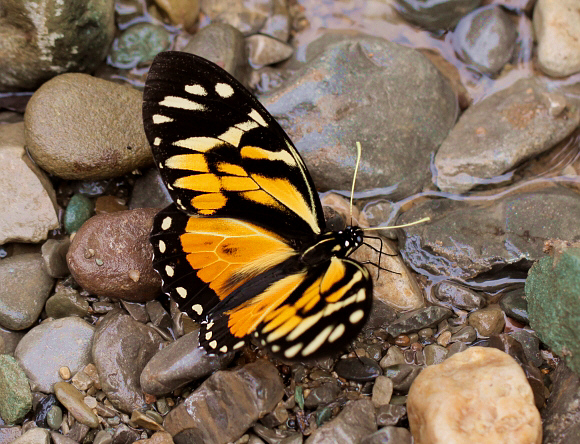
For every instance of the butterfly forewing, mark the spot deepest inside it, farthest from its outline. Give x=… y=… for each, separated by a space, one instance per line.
x=221 y=153
x=235 y=250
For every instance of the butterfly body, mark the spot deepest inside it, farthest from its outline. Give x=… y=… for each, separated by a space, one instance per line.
x=244 y=249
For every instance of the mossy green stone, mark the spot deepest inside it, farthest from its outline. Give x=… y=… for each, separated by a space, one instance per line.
x=78 y=211
x=15 y=394
x=553 y=294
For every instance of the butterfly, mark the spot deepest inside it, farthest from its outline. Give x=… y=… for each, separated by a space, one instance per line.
x=244 y=249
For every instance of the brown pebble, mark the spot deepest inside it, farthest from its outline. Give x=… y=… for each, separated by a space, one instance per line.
x=134 y=275
x=416 y=346
x=64 y=373
x=444 y=338
x=402 y=340
x=109 y=204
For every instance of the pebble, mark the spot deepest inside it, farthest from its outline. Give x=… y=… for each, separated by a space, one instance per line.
x=38 y=41
x=338 y=118
x=150 y=191
x=485 y=39
x=390 y=415
x=382 y=391
x=465 y=334
x=480 y=395
x=28 y=199
x=54 y=256
x=35 y=435
x=15 y=394
x=78 y=211
x=42 y=404
x=554 y=308
x=105 y=437
x=514 y=304
x=157 y=438
x=138 y=44
x=25 y=287
x=238 y=398
x=394 y=356
x=265 y=50
x=390 y=435
x=488 y=321
x=181 y=12
x=9 y=434
x=82 y=127
x=458 y=295
x=557 y=30
x=109 y=204
x=179 y=363
x=356 y=421
x=434 y=354
x=435 y=15
x=66 y=302
x=517 y=125
x=121 y=349
x=64 y=373
x=106 y=252
x=51 y=345
x=402 y=376
x=143 y=420
x=73 y=401
x=54 y=417
x=247 y=17
x=358 y=369
x=321 y=395
x=8 y=341
x=418 y=319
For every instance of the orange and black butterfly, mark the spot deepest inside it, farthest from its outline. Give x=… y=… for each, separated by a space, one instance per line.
x=243 y=249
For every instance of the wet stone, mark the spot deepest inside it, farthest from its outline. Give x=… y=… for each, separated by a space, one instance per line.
x=277 y=435
x=418 y=319
x=66 y=302
x=466 y=334
x=15 y=395
x=561 y=416
x=78 y=211
x=434 y=354
x=435 y=15
x=402 y=376
x=394 y=356
x=143 y=420
x=54 y=256
x=226 y=404
x=54 y=417
x=41 y=409
x=121 y=349
x=514 y=304
x=457 y=347
x=277 y=417
x=458 y=296
x=389 y=435
x=25 y=287
x=51 y=345
x=487 y=321
x=105 y=437
x=83 y=127
x=138 y=44
x=530 y=344
x=485 y=380
x=323 y=394
x=485 y=39
x=125 y=435
x=552 y=294
x=356 y=421
x=111 y=256
x=179 y=363
x=78 y=432
x=390 y=415
x=73 y=401
x=382 y=391
x=358 y=369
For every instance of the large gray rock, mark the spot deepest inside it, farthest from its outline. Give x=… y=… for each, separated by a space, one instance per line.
x=42 y=38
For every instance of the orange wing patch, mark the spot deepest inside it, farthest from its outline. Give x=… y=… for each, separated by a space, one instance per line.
x=227 y=252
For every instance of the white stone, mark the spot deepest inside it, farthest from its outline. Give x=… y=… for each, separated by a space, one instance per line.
x=478 y=396
x=27 y=199
x=557 y=28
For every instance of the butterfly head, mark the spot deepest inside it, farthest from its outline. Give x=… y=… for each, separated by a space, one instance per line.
x=349 y=240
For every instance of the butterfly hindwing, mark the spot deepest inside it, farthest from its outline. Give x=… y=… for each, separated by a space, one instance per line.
x=221 y=153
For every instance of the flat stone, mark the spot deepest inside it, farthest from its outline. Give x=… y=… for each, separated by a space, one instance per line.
x=418 y=319
x=73 y=401
x=28 y=200
x=15 y=394
x=51 y=345
x=480 y=395
x=34 y=436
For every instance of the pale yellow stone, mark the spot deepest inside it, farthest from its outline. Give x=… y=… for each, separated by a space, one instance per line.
x=479 y=396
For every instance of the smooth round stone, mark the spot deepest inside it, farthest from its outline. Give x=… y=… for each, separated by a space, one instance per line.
x=138 y=44
x=265 y=50
x=109 y=204
x=66 y=302
x=358 y=369
x=105 y=437
x=382 y=391
x=394 y=356
x=515 y=305
x=323 y=394
x=78 y=211
x=466 y=334
x=15 y=394
x=434 y=354
x=41 y=39
x=111 y=256
x=42 y=407
x=418 y=319
x=480 y=395
x=73 y=401
x=485 y=39
x=181 y=12
x=487 y=321
x=54 y=256
x=435 y=15
x=82 y=127
x=557 y=30
x=402 y=376
x=51 y=345
x=54 y=417
x=35 y=435
x=25 y=287
x=390 y=415
x=9 y=340
x=28 y=200
x=458 y=296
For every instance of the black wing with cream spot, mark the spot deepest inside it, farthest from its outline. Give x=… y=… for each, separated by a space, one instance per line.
x=221 y=154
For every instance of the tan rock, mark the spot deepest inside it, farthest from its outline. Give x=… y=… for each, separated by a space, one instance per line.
x=478 y=396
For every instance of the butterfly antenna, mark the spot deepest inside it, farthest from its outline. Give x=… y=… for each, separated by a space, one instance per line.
x=391 y=227
x=358 y=155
